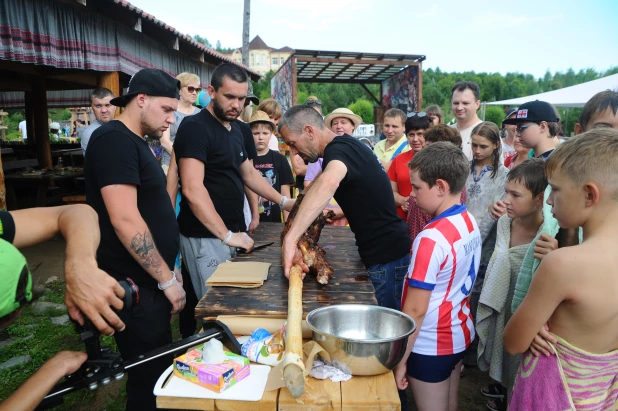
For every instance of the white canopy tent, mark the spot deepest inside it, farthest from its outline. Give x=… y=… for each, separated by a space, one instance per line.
x=574 y=96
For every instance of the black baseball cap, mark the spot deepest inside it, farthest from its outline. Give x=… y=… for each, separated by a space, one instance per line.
x=534 y=112
x=153 y=82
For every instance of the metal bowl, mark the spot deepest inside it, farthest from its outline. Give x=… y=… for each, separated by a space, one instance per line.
x=362 y=339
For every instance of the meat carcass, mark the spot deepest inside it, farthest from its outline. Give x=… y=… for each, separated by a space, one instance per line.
x=313 y=254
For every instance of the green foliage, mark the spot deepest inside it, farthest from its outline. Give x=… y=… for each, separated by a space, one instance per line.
x=437 y=89
x=364 y=109
x=495 y=114
x=202 y=40
x=59 y=114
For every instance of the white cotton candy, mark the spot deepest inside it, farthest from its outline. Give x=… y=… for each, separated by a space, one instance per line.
x=213 y=352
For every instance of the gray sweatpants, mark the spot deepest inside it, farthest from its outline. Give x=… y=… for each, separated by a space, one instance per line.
x=202 y=256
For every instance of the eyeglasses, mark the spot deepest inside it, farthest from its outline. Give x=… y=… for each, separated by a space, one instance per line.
x=192 y=89
x=521 y=129
x=313 y=102
x=417 y=113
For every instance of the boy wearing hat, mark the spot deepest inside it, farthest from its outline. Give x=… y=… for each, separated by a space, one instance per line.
x=273 y=166
x=139 y=233
x=24 y=228
x=537 y=126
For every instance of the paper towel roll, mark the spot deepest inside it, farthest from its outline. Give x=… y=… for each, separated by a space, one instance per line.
x=245 y=325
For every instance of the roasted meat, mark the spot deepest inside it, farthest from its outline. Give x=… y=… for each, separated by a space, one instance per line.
x=313 y=254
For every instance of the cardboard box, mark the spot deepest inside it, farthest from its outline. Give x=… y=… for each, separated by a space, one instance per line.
x=215 y=377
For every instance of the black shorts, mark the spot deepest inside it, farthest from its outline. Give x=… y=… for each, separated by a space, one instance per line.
x=432 y=368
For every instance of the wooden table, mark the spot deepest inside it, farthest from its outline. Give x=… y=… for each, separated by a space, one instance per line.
x=39 y=182
x=350 y=284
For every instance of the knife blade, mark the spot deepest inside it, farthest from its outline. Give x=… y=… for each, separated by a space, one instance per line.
x=255 y=248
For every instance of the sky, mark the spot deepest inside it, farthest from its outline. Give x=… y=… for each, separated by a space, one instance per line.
x=498 y=36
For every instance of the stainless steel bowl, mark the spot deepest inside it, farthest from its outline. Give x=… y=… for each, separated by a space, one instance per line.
x=362 y=339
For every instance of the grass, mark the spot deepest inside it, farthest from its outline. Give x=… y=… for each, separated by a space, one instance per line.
x=49 y=339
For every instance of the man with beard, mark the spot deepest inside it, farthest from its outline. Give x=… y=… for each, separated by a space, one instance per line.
x=139 y=234
x=214 y=168
x=103 y=113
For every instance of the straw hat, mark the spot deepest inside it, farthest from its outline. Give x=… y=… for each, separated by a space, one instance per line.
x=260 y=116
x=343 y=112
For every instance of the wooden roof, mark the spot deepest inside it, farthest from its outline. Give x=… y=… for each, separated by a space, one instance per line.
x=319 y=66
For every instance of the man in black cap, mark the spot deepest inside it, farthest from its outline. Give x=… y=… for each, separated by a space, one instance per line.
x=537 y=125
x=139 y=234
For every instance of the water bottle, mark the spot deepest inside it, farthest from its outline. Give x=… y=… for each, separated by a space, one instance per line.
x=60 y=164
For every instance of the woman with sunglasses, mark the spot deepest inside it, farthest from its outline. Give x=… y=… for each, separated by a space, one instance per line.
x=189 y=89
x=398 y=172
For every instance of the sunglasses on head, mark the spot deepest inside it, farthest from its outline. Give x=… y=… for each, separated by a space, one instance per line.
x=417 y=113
x=313 y=102
x=192 y=89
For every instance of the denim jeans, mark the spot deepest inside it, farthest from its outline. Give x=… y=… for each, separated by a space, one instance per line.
x=388 y=281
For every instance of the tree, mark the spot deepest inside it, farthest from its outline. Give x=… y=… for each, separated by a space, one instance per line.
x=364 y=109
x=495 y=114
x=202 y=40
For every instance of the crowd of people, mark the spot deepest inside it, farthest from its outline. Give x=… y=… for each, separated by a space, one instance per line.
x=462 y=227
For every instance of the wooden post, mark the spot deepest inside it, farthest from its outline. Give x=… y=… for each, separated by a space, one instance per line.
x=110 y=81
x=41 y=125
x=29 y=114
x=246 y=20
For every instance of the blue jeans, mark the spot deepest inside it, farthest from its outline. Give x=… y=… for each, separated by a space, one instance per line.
x=388 y=281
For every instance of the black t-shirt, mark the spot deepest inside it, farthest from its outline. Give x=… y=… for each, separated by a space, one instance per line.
x=366 y=197
x=277 y=172
x=247 y=135
x=204 y=138
x=118 y=156
x=7 y=226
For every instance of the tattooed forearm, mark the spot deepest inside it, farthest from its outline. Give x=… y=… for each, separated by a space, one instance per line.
x=144 y=246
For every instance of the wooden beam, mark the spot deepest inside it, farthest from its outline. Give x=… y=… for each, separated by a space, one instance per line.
x=111 y=81
x=420 y=88
x=339 y=81
x=322 y=70
x=29 y=114
x=41 y=124
x=356 y=61
x=294 y=83
x=371 y=94
x=379 y=72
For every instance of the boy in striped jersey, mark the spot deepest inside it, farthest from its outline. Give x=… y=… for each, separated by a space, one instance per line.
x=444 y=264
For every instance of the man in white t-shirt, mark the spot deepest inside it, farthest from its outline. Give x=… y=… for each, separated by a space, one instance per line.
x=508 y=136
x=22 y=129
x=465 y=102
x=103 y=111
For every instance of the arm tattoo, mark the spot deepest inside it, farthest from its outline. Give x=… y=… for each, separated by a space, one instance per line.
x=144 y=246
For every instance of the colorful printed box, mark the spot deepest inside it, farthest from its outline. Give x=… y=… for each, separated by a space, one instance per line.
x=215 y=377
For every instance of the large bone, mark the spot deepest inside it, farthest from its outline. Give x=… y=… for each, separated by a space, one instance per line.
x=294 y=372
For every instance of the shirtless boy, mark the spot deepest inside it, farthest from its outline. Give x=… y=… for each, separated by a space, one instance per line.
x=574 y=289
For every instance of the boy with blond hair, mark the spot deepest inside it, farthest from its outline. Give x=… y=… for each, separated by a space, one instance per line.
x=574 y=289
x=444 y=264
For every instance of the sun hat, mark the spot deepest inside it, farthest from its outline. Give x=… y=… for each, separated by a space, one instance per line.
x=152 y=82
x=343 y=112
x=534 y=112
x=260 y=116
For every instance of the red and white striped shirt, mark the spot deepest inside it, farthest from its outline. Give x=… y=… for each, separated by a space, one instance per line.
x=445 y=259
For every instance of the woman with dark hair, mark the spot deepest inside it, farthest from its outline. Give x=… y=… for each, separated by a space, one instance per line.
x=398 y=172
x=434 y=112
x=485 y=183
